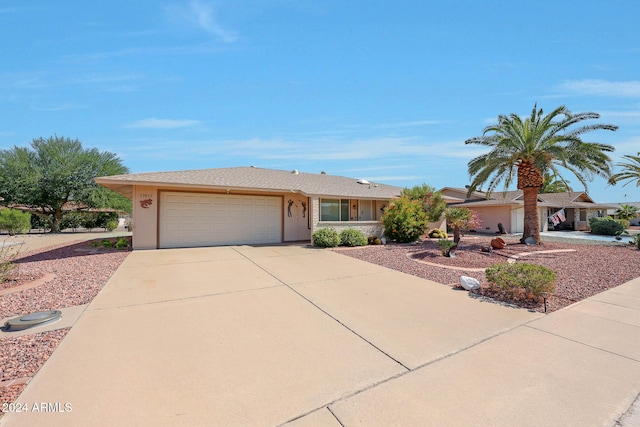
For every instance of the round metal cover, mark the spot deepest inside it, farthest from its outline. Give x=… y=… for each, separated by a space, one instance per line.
x=31 y=320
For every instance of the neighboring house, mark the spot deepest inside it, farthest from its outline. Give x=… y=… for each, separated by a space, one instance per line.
x=246 y=205
x=507 y=208
x=612 y=212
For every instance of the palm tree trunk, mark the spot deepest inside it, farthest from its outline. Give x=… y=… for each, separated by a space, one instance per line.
x=531 y=220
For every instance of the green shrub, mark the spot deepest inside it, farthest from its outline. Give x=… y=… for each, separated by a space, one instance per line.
x=103 y=219
x=122 y=243
x=352 y=237
x=111 y=225
x=405 y=220
x=89 y=222
x=436 y=233
x=432 y=201
x=326 y=238
x=39 y=223
x=521 y=281
x=72 y=221
x=374 y=240
x=606 y=226
x=8 y=255
x=446 y=246
x=106 y=243
x=14 y=221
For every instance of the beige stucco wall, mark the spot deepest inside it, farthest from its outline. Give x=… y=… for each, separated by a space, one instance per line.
x=490 y=216
x=145 y=219
x=297 y=224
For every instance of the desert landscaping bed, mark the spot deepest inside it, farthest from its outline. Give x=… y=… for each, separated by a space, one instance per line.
x=586 y=270
x=78 y=271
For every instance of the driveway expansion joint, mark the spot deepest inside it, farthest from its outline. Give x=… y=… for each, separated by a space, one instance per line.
x=239 y=291
x=329 y=314
x=582 y=343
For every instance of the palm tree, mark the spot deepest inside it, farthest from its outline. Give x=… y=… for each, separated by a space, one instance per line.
x=551 y=184
x=627 y=212
x=526 y=148
x=630 y=171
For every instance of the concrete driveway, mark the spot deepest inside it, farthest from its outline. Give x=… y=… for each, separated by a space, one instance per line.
x=292 y=335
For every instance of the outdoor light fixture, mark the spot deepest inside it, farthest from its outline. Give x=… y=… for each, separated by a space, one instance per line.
x=544 y=298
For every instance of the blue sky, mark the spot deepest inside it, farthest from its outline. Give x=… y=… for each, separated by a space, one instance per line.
x=380 y=90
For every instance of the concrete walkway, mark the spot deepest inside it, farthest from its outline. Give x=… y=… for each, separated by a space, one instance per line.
x=288 y=335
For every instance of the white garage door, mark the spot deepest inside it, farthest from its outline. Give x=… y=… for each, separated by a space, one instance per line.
x=194 y=219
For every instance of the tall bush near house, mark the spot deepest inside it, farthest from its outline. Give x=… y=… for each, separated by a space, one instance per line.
x=405 y=220
x=14 y=221
x=432 y=201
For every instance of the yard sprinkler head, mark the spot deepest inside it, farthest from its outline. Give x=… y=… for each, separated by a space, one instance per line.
x=544 y=298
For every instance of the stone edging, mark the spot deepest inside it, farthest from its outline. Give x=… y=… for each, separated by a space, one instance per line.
x=38 y=282
x=17 y=381
x=511 y=259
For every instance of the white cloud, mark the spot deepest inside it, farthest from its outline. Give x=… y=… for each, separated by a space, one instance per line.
x=201 y=15
x=627 y=146
x=153 y=123
x=584 y=87
x=57 y=107
x=619 y=117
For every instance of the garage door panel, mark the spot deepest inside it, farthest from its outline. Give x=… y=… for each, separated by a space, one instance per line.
x=188 y=219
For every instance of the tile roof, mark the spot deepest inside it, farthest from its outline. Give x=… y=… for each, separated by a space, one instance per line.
x=256 y=179
x=577 y=199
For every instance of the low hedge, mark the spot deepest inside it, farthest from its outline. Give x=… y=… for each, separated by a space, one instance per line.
x=607 y=226
x=521 y=280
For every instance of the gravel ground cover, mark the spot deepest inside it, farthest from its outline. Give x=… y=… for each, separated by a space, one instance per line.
x=23 y=357
x=592 y=267
x=80 y=272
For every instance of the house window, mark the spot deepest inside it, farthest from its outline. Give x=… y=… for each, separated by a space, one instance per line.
x=334 y=210
x=583 y=214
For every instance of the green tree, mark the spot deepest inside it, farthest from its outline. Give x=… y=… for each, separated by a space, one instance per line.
x=551 y=183
x=460 y=220
x=57 y=170
x=432 y=201
x=630 y=171
x=526 y=148
x=627 y=212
